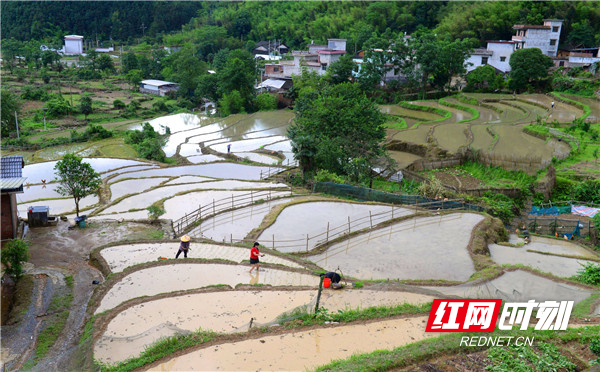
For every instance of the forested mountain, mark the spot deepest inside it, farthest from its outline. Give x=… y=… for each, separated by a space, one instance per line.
x=295 y=23
x=121 y=20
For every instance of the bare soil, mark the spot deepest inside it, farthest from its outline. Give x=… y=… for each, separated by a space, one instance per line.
x=56 y=252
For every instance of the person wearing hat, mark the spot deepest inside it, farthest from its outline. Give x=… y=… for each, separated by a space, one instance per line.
x=254 y=253
x=184 y=246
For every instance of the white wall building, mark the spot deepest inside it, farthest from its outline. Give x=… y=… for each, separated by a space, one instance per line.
x=73 y=45
x=497 y=53
x=545 y=38
x=157 y=87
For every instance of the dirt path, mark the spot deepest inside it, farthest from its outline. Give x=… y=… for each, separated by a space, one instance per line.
x=54 y=253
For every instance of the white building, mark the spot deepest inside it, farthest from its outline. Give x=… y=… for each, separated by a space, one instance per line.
x=544 y=37
x=157 y=87
x=497 y=53
x=73 y=45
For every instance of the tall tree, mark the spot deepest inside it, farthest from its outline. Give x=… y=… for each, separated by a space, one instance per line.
x=528 y=67
x=335 y=126
x=10 y=103
x=340 y=71
x=76 y=178
x=238 y=74
x=86 y=106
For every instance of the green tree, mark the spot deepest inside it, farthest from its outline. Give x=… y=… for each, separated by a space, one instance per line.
x=134 y=77
x=483 y=78
x=76 y=178
x=185 y=68
x=15 y=253
x=335 y=126
x=582 y=35
x=231 y=103
x=528 y=66
x=57 y=107
x=340 y=71
x=238 y=74
x=154 y=212
x=105 y=63
x=266 y=102
x=10 y=103
x=129 y=62
x=86 y=106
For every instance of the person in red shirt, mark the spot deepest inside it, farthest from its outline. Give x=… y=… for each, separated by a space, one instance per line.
x=254 y=253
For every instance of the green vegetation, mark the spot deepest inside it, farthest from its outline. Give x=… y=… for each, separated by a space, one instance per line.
x=154 y=212
x=76 y=179
x=495 y=176
x=529 y=69
x=147 y=142
x=470 y=110
x=13 y=256
x=521 y=358
x=589 y=274
x=443 y=113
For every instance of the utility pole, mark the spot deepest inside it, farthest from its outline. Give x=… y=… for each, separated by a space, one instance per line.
x=17 y=124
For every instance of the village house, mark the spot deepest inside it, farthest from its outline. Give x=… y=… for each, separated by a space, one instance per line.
x=497 y=53
x=391 y=72
x=73 y=45
x=11 y=183
x=268 y=48
x=157 y=87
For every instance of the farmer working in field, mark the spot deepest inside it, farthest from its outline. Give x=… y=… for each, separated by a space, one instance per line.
x=335 y=277
x=184 y=246
x=254 y=253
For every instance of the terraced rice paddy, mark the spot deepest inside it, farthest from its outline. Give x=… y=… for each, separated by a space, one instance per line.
x=404 y=112
x=518 y=286
x=301 y=350
x=525 y=255
x=180 y=277
x=403 y=159
x=421 y=248
x=297 y=221
x=121 y=257
x=141 y=325
x=451 y=137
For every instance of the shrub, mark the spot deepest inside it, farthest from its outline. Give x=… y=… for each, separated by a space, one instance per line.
x=118 y=104
x=589 y=274
x=326 y=176
x=154 y=212
x=595 y=348
x=57 y=107
x=35 y=94
x=13 y=255
x=266 y=102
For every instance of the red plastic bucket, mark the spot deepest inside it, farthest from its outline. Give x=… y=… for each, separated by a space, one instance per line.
x=326 y=282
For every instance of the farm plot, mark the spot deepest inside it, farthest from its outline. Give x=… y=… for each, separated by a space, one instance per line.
x=59 y=206
x=38 y=192
x=509 y=114
x=404 y=112
x=214 y=170
x=297 y=222
x=594 y=105
x=457 y=115
x=301 y=350
x=451 y=137
x=180 y=205
x=562 y=112
x=180 y=277
x=247 y=144
x=513 y=142
x=121 y=257
x=486 y=115
x=37 y=172
x=236 y=223
x=559 y=266
x=416 y=135
x=518 y=286
x=141 y=325
x=135 y=186
x=421 y=248
x=403 y=159
x=482 y=139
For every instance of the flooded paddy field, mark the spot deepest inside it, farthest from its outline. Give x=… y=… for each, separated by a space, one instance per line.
x=451 y=137
x=301 y=350
x=179 y=277
x=403 y=159
x=141 y=325
x=593 y=103
x=180 y=205
x=457 y=115
x=512 y=141
x=416 y=114
x=121 y=257
x=557 y=265
x=237 y=223
x=214 y=170
x=518 y=286
x=486 y=115
x=258 y=158
x=296 y=221
x=482 y=139
x=58 y=206
x=36 y=192
x=416 y=135
x=37 y=172
x=135 y=186
x=421 y=248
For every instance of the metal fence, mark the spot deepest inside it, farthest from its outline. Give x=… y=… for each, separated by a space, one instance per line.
x=217 y=206
x=366 y=194
x=558 y=226
x=366 y=222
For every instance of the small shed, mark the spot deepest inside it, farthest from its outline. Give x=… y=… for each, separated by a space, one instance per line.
x=11 y=183
x=158 y=87
x=73 y=45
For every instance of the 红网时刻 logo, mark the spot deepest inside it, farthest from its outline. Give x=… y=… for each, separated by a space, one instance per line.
x=481 y=315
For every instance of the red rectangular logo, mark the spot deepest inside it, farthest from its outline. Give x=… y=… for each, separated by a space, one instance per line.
x=463 y=315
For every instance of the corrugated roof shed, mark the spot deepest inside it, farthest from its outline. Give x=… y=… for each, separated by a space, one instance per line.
x=11 y=166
